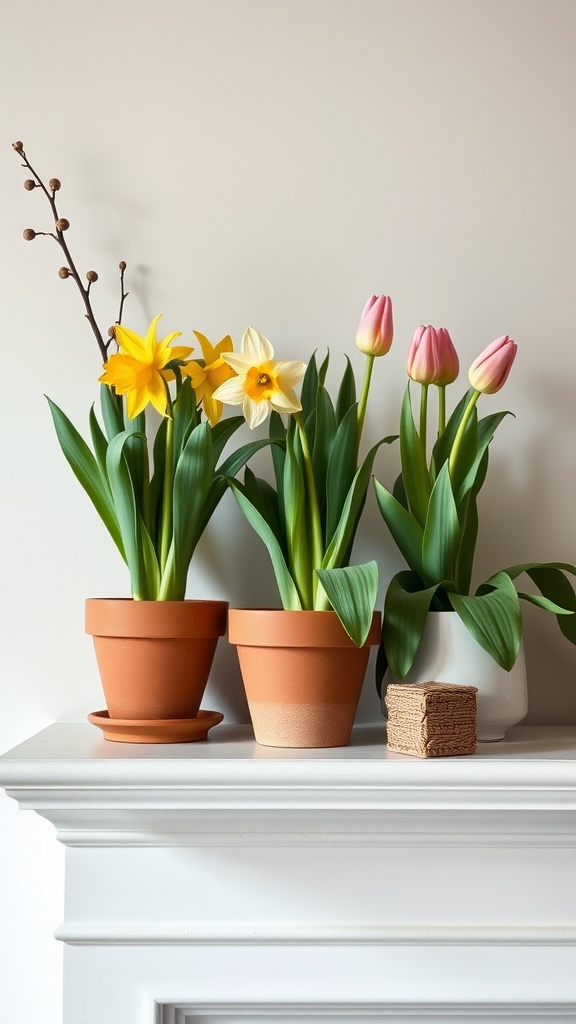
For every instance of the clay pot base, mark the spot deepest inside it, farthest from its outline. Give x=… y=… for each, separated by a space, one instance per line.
x=168 y=730
x=302 y=725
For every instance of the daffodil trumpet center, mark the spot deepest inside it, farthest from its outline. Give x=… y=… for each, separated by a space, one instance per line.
x=261 y=383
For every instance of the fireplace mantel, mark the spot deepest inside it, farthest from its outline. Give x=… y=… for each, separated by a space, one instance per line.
x=218 y=881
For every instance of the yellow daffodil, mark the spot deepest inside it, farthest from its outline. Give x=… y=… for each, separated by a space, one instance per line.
x=261 y=384
x=136 y=370
x=206 y=379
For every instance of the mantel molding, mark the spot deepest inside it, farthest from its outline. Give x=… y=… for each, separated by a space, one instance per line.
x=229 y=790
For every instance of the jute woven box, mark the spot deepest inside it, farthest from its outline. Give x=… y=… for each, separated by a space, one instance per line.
x=431 y=719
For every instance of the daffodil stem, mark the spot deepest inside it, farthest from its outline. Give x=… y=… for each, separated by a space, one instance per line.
x=423 y=417
x=460 y=432
x=166 y=534
x=316 y=526
x=364 y=395
x=441 y=409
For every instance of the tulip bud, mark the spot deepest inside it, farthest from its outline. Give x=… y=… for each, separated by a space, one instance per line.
x=432 y=358
x=376 y=330
x=490 y=370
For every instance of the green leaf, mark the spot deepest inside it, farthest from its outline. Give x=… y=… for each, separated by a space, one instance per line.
x=493 y=618
x=468 y=517
x=406 y=531
x=346 y=392
x=157 y=482
x=445 y=443
x=341 y=469
x=222 y=432
x=550 y=579
x=399 y=492
x=127 y=513
x=415 y=472
x=286 y=586
x=324 y=436
x=345 y=532
x=441 y=531
x=323 y=369
x=239 y=458
x=99 y=442
x=309 y=388
x=405 y=612
x=192 y=479
x=297 y=527
x=112 y=411
x=265 y=500
x=277 y=433
x=352 y=593
x=185 y=416
x=87 y=471
x=486 y=430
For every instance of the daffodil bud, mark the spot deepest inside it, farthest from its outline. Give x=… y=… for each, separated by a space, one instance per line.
x=490 y=370
x=432 y=358
x=376 y=329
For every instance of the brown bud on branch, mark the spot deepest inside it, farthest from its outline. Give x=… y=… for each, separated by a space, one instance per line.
x=63 y=273
x=18 y=146
x=62 y=224
x=122 y=265
x=29 y=184
x=111 y=332
x=54 y=184
x=29 y=234
x=92 y=276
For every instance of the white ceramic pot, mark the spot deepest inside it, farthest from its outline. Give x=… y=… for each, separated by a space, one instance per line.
x=449 y=654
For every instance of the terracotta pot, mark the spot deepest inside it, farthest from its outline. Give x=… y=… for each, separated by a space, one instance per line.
x=154 y=656
x=302 y=675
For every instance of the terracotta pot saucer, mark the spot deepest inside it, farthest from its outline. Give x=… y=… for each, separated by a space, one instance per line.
x=167 y=730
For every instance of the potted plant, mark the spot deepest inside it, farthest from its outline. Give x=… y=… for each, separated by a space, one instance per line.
x=303 y=666
x=435 y=628
x=155 y=490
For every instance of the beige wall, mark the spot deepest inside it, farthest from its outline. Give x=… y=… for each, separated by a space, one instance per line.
x=273 y=163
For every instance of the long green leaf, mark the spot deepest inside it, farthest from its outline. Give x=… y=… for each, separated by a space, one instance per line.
x=415 y=472
x=345 y=532
x=239 y=458
x=352 y=593
x=468 y=518
x=493 y=618
x=346 y=392
x=192 y=479
x=277 y=433
x=406 y=531
x=265 y=500
x=286 y=586
x=309 y=388
x=127 y=513
x=341 y=468
x=99 y=442
x=87 y=471
x=405 y=611
x=222 y=432
x=486 y=430
x=296 y=527
x=444 y=444
x=550 y=579
x=112 y=411
x=441 y=532
x=324 y=436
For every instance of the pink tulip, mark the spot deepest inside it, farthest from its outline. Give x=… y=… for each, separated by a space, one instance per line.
x=432 y=358
x=490 y=370
x=376 y=330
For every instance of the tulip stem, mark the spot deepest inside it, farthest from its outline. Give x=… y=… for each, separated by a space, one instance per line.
x=441 y=409
x=423 y=416
x=364 y=395
x=460 y=432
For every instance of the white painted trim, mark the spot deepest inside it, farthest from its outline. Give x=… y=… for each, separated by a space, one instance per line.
x=88 y=934
x=411 y=1013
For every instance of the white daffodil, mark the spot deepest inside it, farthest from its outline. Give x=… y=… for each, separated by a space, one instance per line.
x=261 y=384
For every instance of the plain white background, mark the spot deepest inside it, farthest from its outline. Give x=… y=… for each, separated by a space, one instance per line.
x=271 y=163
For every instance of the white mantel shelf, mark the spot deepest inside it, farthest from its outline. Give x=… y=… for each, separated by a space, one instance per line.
x=213 y=882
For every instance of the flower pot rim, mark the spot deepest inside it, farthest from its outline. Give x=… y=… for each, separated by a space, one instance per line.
x=278 y=627
x=125 y=617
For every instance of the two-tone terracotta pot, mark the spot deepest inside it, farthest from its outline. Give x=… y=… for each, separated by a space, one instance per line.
x=154 y=657
x=302 y=675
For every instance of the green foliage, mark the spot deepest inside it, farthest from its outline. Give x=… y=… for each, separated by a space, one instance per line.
x=308 y=520
x=432 y=516
x=155 y=519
